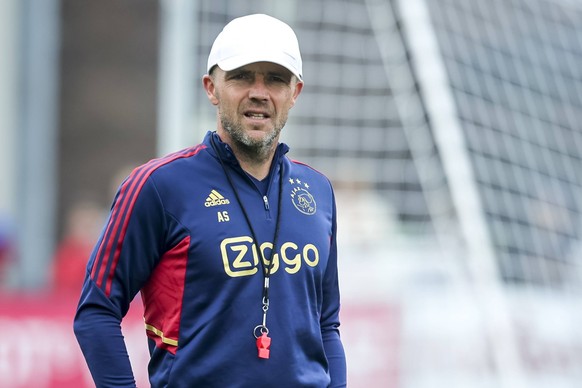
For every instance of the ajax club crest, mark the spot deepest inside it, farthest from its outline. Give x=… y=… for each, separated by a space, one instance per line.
x=301 y=197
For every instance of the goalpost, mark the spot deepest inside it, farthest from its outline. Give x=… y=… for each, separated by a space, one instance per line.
x=483 y=277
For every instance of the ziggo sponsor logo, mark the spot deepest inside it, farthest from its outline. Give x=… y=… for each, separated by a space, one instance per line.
x=240 y=256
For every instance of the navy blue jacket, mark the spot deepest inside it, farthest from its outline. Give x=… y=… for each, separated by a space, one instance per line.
x=177 y=234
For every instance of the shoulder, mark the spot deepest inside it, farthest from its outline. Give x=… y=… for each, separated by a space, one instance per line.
x=305 y=169
x=169 y=164
x=159 y=170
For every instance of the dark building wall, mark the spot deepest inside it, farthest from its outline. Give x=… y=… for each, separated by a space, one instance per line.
x=109 y=61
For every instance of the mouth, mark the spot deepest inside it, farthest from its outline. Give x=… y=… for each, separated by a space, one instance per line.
x=255 y=115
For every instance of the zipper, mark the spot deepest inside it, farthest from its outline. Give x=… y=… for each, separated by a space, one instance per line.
x=266 y=268
x=271 y=173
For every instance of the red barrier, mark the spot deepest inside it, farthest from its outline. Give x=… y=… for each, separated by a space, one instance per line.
x=38 y=348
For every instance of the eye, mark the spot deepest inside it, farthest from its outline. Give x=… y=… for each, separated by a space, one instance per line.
x=240 y=76
x=279 y=78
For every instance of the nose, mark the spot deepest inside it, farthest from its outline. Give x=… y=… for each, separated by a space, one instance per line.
x=258 y=89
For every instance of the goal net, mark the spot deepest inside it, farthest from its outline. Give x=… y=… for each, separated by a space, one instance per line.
x=452 y=132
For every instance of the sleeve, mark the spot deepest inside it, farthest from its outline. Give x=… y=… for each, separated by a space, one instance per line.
x=122 y=260
x=330 y=323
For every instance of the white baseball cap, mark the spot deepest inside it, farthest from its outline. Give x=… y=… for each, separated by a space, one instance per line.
x=256 y=38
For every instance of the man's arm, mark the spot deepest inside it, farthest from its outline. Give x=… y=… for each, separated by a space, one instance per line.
x=336 y=358
x=98 y=331
x=121 y=262
x=330 y=323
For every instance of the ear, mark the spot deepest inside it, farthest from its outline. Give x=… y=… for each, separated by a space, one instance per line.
x=210 y=87
x=297 y=91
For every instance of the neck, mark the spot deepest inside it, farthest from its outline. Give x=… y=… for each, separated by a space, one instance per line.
x=259 y=169
x=255 y=161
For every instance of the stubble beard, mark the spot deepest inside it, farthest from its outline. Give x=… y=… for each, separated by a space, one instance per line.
x=258 y=150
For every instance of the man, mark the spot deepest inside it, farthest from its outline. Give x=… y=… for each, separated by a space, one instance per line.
x=231 y=244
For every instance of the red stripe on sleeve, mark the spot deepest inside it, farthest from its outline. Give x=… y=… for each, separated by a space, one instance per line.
x=113 y=224
x=122 y=213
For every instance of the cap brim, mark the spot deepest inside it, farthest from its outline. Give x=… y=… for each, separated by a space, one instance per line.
x=242 y=60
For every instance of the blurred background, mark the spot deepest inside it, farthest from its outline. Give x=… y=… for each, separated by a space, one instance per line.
x=452 y=130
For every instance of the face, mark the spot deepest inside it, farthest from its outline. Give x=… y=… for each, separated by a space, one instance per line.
x=253 y=104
